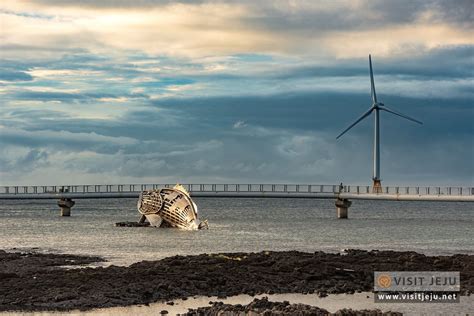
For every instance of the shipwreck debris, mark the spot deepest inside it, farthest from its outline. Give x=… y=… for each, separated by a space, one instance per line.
x=167 y=208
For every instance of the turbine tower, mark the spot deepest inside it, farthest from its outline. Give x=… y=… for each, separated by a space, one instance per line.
x=376 y=108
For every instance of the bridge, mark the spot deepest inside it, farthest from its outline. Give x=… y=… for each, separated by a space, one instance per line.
x=341 y=193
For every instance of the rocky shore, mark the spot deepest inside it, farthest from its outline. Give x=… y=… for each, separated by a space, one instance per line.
x=30 y=281
x=265 y=307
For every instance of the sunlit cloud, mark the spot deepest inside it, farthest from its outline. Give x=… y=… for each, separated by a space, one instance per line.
x=219 y=28
x=406 y=40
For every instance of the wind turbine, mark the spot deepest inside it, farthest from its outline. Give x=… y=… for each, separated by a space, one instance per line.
x=376 y=107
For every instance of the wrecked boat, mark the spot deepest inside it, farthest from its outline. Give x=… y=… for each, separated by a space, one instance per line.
x=169 y=207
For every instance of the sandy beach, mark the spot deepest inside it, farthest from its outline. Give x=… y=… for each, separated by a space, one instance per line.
x=51 y=282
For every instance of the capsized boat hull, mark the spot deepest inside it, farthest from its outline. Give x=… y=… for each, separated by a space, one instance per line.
x=170 y=208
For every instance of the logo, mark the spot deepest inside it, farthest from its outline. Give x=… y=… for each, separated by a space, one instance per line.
x=384 y=280
x=417 y=286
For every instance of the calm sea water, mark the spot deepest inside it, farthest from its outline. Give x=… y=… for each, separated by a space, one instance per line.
x=238 y=225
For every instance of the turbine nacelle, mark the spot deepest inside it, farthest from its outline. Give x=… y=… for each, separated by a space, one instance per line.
x=377 y=105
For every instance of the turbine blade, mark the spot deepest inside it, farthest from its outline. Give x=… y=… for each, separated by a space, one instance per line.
x=358 y=120
x=399 y=114
x=372 y=85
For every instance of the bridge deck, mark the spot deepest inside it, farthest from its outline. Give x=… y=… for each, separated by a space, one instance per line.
x=461 y=194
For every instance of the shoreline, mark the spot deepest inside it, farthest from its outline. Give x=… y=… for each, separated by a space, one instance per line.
x=39 y=282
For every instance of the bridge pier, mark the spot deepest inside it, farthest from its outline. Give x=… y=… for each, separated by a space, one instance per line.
x=66 y=205
x=342 y=207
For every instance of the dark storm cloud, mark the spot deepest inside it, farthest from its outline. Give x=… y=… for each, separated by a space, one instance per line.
x=407 y=148
x=459 y=12
x=286 y=138
x=443 y=62
x=405 y=11
x=439 y=63
x=366 y=15
x=316 y=111
x=198 y=119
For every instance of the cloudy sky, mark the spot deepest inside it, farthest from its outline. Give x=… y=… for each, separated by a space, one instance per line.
x=234 y=91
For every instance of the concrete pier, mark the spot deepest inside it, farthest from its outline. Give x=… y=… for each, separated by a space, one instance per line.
x=377 y=186
x=342 y=207
x=66 y=205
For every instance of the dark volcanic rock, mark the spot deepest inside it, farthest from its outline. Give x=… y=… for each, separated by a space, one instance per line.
x=265 y=307
x=35 y=282
x=132 y=224
x=17 y=264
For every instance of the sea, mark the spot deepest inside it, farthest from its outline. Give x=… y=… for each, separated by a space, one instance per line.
x=240 y=225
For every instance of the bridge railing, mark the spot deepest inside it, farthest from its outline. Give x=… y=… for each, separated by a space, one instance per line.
x=127 y=188
x=426 y=190
x=281 y=188
x=278 y=188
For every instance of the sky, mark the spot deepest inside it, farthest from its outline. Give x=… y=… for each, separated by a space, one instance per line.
x=108 y=92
